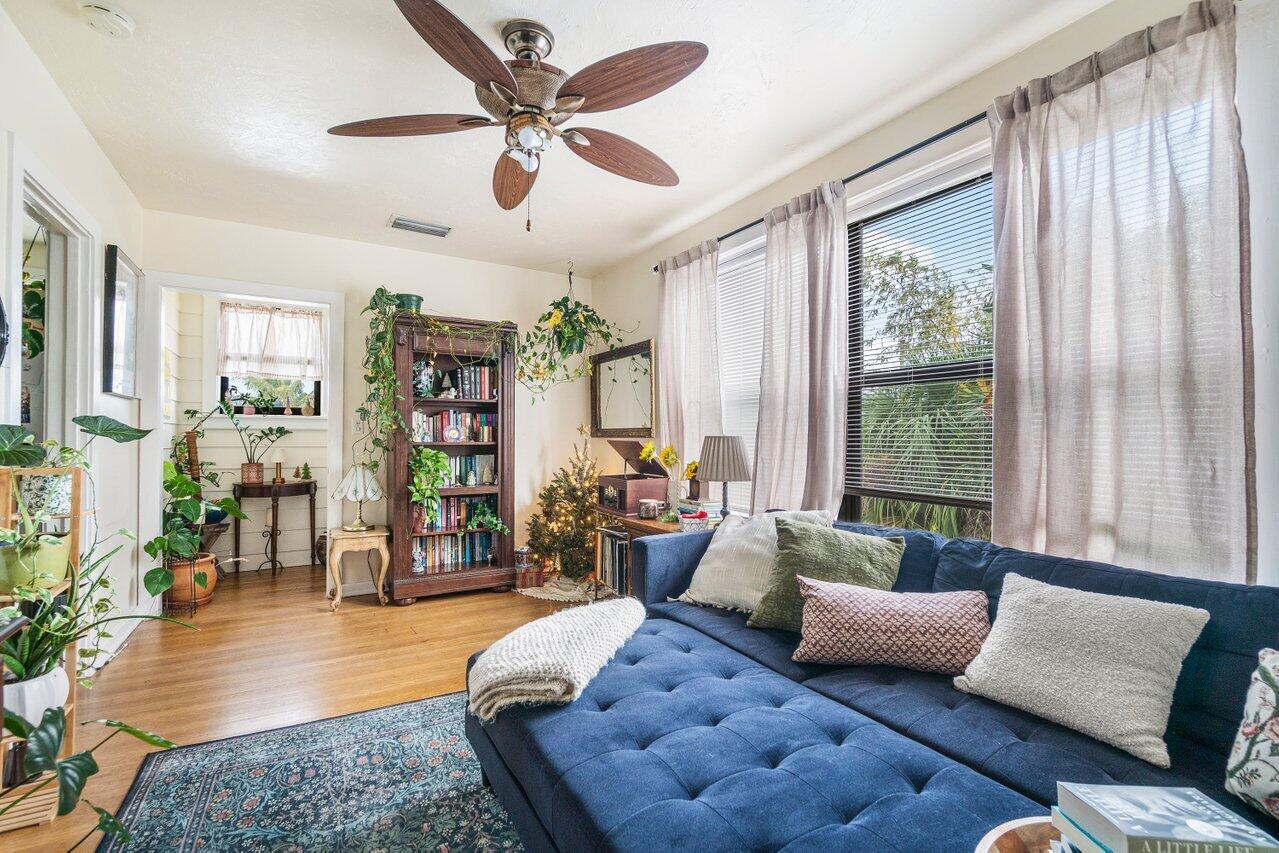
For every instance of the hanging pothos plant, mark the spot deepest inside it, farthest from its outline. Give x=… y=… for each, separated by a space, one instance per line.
x=557 y=349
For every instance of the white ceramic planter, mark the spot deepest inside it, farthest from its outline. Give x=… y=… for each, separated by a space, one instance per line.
x=30 y=699
x=48 y=492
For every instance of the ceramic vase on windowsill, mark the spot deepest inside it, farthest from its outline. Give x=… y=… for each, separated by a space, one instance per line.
x=251 y=473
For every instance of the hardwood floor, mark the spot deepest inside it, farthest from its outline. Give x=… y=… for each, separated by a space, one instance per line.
x=268 y=653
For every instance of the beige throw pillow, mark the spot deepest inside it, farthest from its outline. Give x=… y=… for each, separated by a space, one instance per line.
x=737 y=568
x=1104 y=665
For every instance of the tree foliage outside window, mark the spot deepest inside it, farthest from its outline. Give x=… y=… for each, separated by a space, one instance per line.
x=924 y=399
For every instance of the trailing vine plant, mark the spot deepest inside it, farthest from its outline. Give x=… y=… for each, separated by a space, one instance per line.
x=555 y=350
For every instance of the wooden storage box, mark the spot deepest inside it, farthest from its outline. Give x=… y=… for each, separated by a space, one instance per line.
x=621 y=493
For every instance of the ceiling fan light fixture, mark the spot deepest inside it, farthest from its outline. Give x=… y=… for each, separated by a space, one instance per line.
x=533 y=138
x=528 y=160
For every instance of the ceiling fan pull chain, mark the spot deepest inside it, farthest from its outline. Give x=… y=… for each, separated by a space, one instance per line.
x=528 y=212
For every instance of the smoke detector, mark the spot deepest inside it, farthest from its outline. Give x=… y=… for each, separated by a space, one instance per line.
x=109 y=20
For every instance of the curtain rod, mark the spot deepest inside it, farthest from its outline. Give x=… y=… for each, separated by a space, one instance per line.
x=892 y=158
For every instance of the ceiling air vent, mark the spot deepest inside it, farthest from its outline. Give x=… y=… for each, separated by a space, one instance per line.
x=406 y=224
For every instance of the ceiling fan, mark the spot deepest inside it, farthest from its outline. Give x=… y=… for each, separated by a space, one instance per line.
x=532 y=99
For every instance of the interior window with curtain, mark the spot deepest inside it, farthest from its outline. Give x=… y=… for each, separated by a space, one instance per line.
x=920 y=358
x=740 y=281
x=271 y=359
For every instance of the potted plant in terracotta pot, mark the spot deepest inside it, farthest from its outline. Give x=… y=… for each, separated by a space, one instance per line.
x=255 y=442
x=185 y=576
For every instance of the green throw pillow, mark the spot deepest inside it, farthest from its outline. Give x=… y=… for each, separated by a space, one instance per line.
x=824 y=554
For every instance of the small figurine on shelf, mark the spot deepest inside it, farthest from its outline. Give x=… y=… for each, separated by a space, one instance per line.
x=447 y=391
x=471 y=479
x=306 y=470
x=297 y=472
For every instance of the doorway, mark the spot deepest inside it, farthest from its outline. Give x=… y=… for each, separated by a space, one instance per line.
x=43 y=389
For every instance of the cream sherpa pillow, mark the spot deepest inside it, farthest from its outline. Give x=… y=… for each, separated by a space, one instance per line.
x=1104 y=665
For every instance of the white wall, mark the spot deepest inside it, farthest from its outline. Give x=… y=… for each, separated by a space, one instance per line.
x=545 y=429
x=41 y=132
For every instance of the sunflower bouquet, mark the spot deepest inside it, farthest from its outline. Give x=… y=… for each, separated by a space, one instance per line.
x=668 y=458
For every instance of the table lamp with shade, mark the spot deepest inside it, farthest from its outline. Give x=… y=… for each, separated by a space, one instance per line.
x=724 y=459
x=359 y=485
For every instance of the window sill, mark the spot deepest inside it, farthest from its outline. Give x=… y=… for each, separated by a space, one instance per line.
x=294 y=423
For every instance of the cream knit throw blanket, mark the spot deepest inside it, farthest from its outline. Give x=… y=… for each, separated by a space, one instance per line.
x=552 y=659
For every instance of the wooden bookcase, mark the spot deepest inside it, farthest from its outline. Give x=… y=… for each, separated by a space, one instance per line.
x=414 y=343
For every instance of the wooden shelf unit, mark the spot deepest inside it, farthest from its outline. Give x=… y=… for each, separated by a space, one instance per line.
x=413 y=342
x=42 y=807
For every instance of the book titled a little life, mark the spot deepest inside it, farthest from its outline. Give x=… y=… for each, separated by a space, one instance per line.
x=1140 y=819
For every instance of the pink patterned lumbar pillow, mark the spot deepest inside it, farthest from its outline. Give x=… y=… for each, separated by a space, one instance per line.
x=929 y=631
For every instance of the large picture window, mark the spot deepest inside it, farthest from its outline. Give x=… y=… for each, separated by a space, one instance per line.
x=921 y=374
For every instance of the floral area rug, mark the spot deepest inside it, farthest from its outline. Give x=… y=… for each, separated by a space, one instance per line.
x=397 y=778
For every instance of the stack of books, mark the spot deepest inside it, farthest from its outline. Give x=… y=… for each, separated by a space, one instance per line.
x=472 y=426
x=1138 y=819
x=614 y=559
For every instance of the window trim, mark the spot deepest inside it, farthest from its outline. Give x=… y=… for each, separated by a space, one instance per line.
x=211 y=381
x=969 y=159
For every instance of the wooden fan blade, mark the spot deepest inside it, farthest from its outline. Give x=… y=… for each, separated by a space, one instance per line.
x=619 y=155
x=455 y=43
x=510 y=182
x=419 y=125
x=634 y=75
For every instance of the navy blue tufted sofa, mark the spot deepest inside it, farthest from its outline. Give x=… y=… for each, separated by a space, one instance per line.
x=703 y=734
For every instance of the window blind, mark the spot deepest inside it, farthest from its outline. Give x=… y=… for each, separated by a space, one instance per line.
x=920 y=349
x=741 y=340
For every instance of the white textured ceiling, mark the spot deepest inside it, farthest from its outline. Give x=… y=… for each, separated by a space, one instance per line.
x=219 y=108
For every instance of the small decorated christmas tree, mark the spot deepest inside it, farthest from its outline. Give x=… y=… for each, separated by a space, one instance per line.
x=564 y=530
x=306 y=470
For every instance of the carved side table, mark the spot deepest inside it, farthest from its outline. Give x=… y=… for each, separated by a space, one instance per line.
x=346 y=541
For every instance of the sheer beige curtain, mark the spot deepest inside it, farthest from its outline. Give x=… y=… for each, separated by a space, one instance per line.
x=271 y=341
x=1123 y=410
x=803 y=400
x=689 y=398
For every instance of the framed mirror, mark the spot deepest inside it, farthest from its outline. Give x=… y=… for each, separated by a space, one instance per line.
x=622 y=392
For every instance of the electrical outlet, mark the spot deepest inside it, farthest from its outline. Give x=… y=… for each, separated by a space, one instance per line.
x=359 y=426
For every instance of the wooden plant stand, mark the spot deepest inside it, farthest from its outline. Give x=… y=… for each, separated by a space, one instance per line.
x=42 y=807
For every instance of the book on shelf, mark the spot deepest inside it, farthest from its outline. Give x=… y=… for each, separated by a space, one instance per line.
x=614 y=559
x=449 y=426
x=478 y=469
x=440 y=554
x=452 y=514
x=1148 y=819
x=474 y=382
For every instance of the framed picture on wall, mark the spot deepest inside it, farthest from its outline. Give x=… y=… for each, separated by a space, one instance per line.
x=122 y=289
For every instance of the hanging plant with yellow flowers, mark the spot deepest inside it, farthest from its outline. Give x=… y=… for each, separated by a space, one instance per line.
x=557 y=349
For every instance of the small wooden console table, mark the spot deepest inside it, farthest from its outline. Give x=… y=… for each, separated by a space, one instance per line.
x=274 y=491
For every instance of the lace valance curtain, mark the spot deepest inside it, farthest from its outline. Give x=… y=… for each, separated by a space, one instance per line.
x=271 y=341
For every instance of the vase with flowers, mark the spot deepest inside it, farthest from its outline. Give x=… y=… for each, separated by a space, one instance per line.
x=668 y=458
